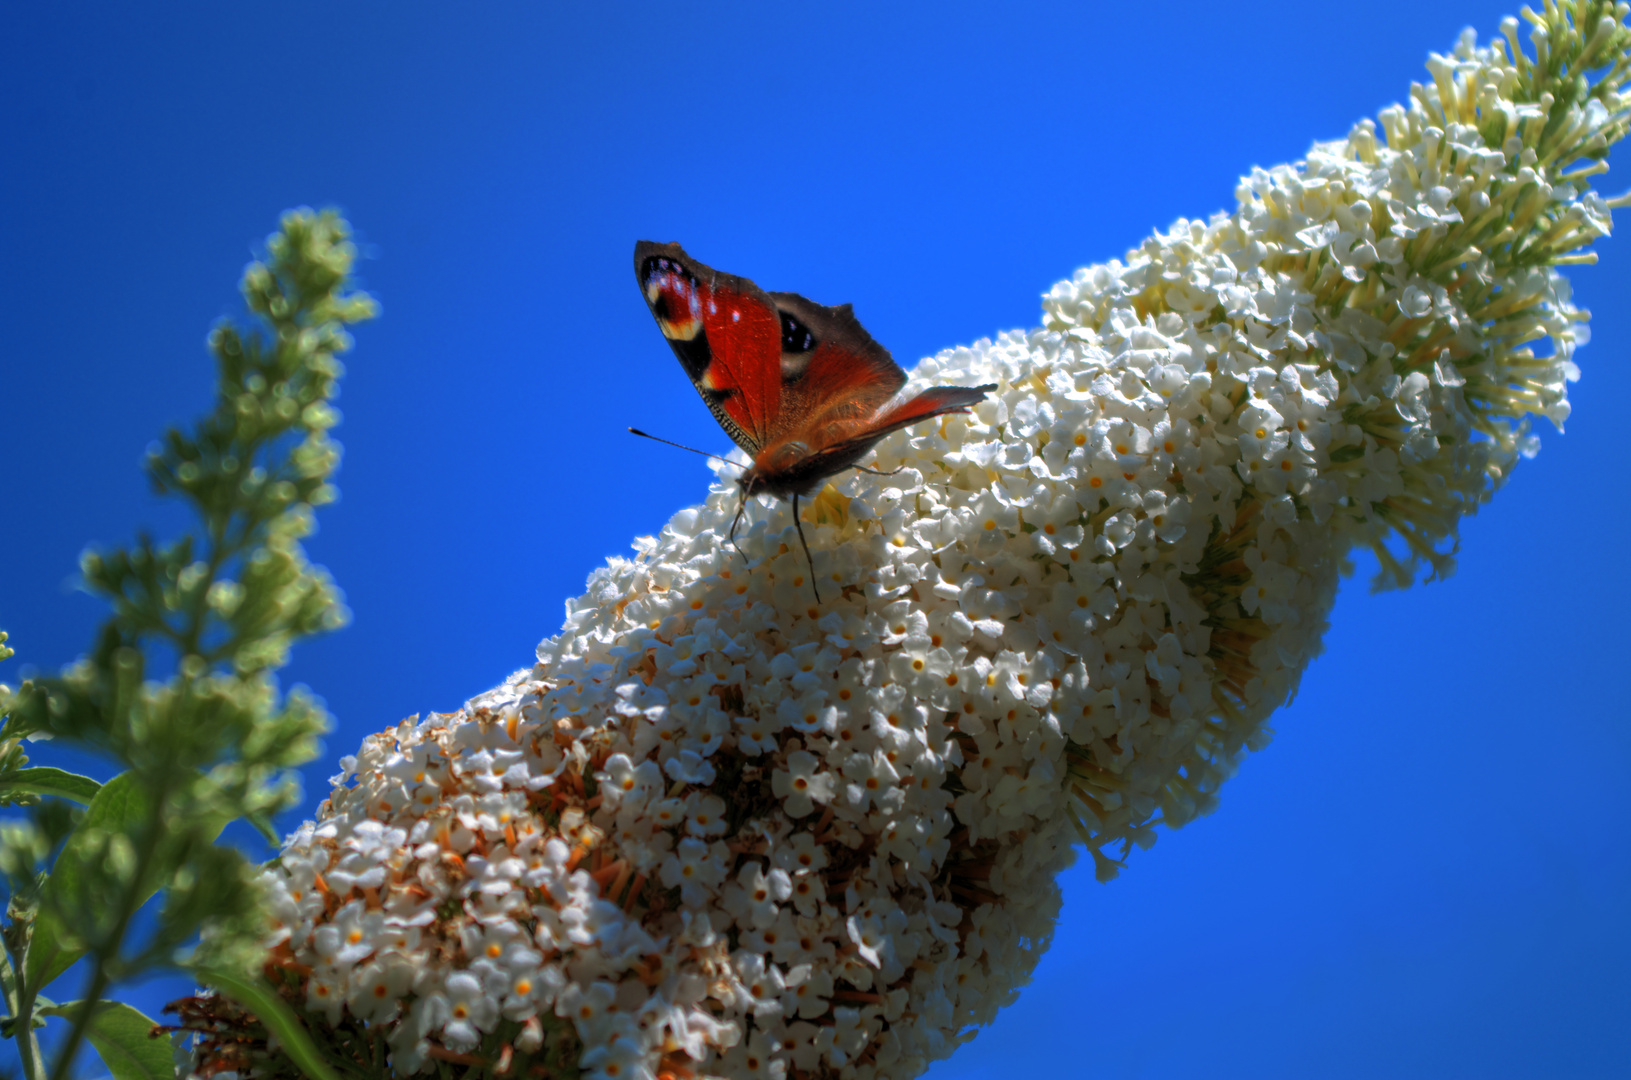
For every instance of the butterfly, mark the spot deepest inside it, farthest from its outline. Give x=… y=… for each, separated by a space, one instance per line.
x=801 y=387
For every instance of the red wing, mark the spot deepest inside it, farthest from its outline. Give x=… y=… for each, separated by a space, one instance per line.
x=781 y=372
x=727 y=335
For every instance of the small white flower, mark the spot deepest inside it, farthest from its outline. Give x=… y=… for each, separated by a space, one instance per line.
x=469 y=1011
x=589 y=1007
x=379 y=987
x=326 y=993
x=802 y=783
x=620 y=1059
x=706 y=816
x=758 y=734
x=695 y=869
x=353 y=935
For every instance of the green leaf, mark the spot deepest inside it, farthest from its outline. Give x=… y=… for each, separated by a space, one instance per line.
x=124 y=1038
x=50 y=950
x=274 y=1012
x=44 y=780
x=120 y=804
x=121 y=808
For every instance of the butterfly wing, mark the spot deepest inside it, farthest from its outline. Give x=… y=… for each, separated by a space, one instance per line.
x=797 y=384
x=836 y=389
x=727 y=335
x=800 y=472
x=932 y=402
x=832 y=370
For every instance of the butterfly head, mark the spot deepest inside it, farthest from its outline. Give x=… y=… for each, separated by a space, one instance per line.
x=782 y=471
x=778 y=473
x=752 y=482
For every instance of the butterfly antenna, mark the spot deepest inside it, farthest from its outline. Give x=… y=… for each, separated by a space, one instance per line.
x=799 y=525
x=741 y=505
x=682 y=446
x=880 y=472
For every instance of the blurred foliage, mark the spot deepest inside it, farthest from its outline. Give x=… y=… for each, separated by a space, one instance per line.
x=178 y=690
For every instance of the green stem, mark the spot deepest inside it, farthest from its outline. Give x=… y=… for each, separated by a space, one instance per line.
x=20 y=1003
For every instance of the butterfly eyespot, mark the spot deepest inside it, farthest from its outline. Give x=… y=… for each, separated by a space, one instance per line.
x=796 y=337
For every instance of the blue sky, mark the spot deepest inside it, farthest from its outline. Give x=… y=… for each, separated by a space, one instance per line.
x=1426 y=874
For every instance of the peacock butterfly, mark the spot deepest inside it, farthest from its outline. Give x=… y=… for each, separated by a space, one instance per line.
x=801 y=387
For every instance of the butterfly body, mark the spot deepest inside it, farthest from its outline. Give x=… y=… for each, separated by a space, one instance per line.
x=800 y=386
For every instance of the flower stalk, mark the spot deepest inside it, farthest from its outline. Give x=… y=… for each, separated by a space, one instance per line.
x=717 y=829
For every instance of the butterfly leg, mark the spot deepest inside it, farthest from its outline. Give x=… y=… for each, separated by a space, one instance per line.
x=741 y=507
x=798 y=524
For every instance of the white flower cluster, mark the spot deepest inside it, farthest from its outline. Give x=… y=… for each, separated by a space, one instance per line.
x=722 y=830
